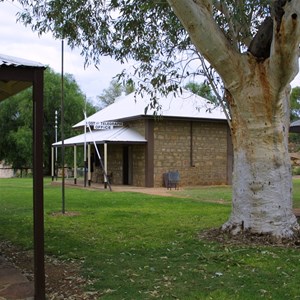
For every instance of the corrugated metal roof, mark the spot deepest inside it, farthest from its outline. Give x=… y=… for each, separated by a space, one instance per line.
x=186 y=105
x=10 y=87
x=6 y=60
x=116 y=135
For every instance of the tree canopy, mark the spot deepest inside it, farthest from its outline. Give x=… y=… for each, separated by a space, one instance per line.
x=147 y=32
x=16 y=119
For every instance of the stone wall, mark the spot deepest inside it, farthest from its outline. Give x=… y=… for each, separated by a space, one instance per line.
x=137 y=125
x=198 y=150
x=138 y=162
x=6 y=171
x=137 y=153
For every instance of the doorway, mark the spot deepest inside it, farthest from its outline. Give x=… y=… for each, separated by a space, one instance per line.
x=127 y=165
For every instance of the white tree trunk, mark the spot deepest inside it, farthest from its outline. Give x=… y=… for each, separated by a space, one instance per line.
x=262 y=193
x=262 y=180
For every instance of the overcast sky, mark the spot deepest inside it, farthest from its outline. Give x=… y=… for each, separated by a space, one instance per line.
x=18 y=40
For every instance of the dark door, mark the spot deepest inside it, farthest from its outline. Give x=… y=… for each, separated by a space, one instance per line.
x=127 y=165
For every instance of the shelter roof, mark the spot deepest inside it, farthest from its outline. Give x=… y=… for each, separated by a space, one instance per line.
x=116 y=135
x=185 y=105
x=13 y=86
x=17 y=62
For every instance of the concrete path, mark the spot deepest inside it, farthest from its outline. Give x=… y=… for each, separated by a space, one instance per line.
x=13 y=284
x=160 y=191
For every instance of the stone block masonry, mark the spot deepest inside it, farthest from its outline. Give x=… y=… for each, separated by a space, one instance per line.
x=198 y=150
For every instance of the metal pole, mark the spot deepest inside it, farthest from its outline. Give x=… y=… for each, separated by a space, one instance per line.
x=55 y=163
x=84 y=150
x=62 y=129
x=55 y=134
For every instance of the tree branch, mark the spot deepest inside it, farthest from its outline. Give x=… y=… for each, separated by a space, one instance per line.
x=223 y=9
x=221 y=99
x=196 y=16
x=260 y=46
x=284 y=55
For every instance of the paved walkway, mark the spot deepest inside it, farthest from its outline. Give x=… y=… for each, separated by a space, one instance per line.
x=13 y=284
x=161 y=191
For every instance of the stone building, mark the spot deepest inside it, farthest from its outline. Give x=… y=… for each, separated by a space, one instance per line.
x=6 y=171
x=138 y=144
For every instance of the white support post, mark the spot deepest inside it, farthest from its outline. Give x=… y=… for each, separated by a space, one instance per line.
x=89 y=165
x=75 y=164
x=52 y=163
x=105 y=165
x=96 y=149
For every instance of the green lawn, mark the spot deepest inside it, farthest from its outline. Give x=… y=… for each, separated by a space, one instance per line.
x=218 y=194
x=137 y=246
x=296 y=193
x=222 y=194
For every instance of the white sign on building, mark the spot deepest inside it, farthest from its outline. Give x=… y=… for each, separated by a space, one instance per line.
x=106 y=125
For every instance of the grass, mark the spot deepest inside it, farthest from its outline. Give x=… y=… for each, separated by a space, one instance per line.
x=219 y=194
x=296 y=193
x=223 y=194
x=137 y=246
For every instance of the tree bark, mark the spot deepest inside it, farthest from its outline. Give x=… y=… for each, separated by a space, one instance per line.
x=262 y=180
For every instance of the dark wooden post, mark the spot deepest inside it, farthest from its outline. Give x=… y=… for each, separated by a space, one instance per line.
x=149 y=154
x=38 y=188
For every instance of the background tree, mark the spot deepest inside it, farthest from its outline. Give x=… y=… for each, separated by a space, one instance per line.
x=110 y=94
x=295 y=104
x=294 y=138
x=115 y=90
x=16 y=120
x=201 y=89
x=16 y=132
x=253 y=46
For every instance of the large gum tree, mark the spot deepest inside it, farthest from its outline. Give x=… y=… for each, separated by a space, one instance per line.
x=252 y=45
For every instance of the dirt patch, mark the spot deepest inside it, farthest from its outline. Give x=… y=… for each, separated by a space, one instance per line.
x=63 y=278
x=247 y=238
x=65 y=282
